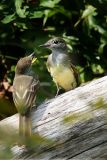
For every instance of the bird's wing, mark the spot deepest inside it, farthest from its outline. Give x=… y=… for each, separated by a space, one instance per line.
x=66 y=60
x=76 y=73
x=24 y=92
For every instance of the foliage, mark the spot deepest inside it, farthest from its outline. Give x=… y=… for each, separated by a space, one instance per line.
x=12 y=145
x=27 y=24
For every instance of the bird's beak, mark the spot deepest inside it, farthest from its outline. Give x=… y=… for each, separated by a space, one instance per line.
x=46 y=45
x=33 y=56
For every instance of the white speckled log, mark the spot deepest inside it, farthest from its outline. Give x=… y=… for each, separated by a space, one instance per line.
x=83 y=136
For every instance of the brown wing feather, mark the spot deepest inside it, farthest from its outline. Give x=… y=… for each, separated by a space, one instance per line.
x=24 y=92
x=76 y=73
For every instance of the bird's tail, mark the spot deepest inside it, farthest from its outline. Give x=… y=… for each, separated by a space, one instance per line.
x=25 y=127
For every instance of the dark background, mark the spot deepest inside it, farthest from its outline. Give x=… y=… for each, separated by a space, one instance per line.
x=24 y=25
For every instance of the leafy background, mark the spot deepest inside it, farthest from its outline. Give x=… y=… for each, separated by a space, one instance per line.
x=25 y=24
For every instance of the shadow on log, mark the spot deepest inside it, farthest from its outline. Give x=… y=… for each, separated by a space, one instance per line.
x=75 y=121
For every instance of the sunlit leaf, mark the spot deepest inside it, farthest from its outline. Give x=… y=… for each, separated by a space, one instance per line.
x=48 y=13
x=8 y=18
x=21 y=25
x=101 y=48
x=96 y=68
x=2 y=6
x=88 y=11
x=62 y=10
x=21 y=12
x=49 y=28
x=37 y=14
x=50 y=3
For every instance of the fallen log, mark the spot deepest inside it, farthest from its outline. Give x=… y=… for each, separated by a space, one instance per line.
x=75 y=121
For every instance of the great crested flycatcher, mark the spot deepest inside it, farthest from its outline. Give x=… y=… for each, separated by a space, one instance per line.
x=64 y=73
x=25 y=86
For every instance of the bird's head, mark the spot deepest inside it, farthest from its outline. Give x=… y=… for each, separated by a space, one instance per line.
x=24 y=64
x=56 y=43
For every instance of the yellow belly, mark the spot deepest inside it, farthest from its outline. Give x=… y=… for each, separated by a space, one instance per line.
x=64 y=77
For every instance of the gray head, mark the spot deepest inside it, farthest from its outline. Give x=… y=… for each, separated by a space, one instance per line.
x=56 y=43
x=24 y=64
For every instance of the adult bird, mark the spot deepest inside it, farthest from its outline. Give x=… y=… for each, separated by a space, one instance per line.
x=64 y=73
x=25 y=86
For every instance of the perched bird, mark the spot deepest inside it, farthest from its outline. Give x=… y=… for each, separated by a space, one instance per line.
x=59 y=65
x=25 y=86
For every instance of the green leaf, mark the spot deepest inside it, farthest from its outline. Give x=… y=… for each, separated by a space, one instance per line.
x=58 y=9
x=21 y=12
x=8 y=18
x=94 y=24
x=88 y=11
x=50 y=3
x=101 y=48
x=48 y=13
x=21 y=25
x=62 y=10
x=96 y=68
x=2 y=6
x=37 y=14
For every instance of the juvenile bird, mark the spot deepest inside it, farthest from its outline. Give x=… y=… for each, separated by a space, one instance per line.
x=25 y=86
x=59 y=65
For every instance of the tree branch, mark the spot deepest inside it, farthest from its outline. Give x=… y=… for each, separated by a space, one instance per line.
x=76 y=122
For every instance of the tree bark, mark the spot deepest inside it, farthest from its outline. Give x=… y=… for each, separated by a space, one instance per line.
x=74 y=122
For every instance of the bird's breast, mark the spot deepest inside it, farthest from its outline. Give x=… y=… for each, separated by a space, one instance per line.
x=63 y=76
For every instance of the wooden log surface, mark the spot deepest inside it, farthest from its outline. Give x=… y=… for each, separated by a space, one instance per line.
x=76 y=121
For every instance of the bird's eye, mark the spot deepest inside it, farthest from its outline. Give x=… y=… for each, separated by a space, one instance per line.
x=55 y=41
